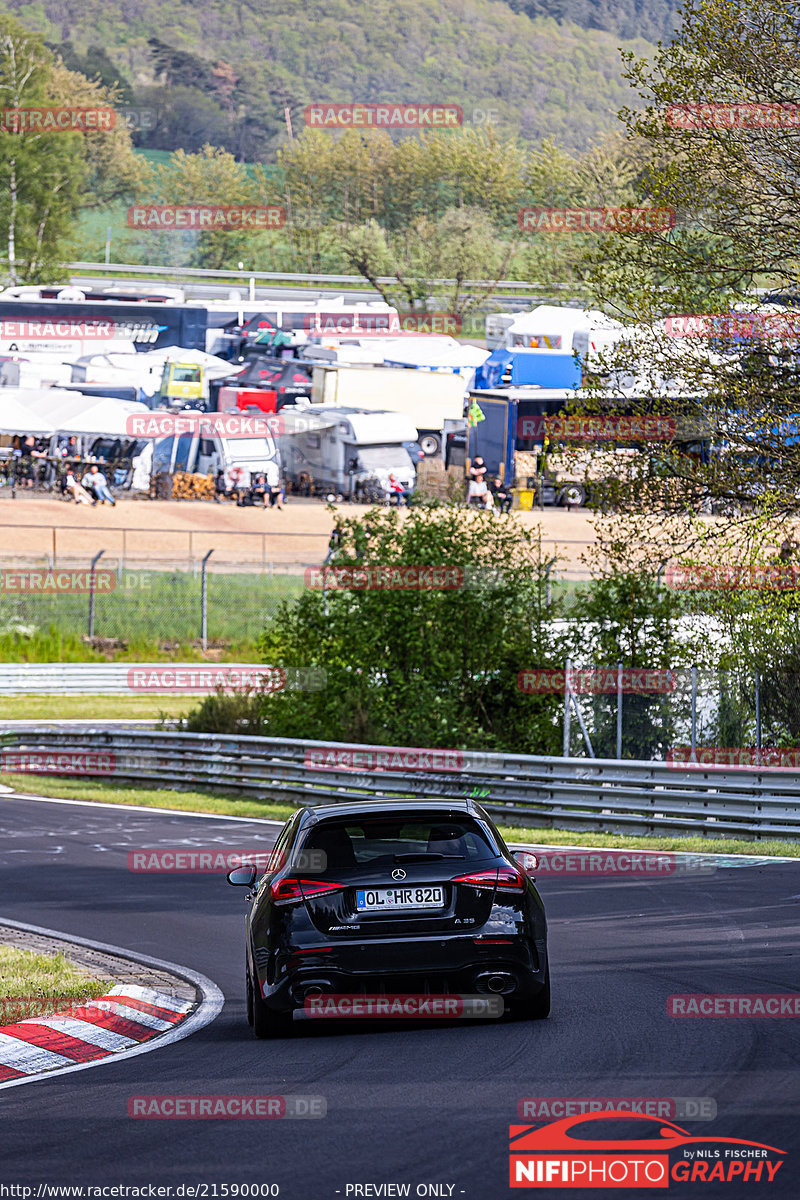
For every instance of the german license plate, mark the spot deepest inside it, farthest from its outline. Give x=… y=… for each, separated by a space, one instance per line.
x=396 y=898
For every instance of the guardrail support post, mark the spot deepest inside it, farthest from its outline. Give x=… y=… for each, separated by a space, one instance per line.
x=567 y=714
x=204 y=601
x=619 y=709
x=95 y=561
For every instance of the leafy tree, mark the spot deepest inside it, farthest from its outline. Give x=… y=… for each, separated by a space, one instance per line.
x=45 y=177
x=421 y=667
x=732 y=390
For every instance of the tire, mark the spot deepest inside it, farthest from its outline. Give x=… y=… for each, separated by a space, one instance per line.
x=430 y=444
x=249 y=996
x=538 y=1009
x=572 y=493
x=267 y=1023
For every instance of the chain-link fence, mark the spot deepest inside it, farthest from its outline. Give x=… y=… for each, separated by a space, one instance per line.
x=131 y=606
x=735 y=717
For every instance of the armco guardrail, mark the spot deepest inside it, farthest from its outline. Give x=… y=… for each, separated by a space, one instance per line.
x=117 y=678
x=580 y=794
x=291 y=277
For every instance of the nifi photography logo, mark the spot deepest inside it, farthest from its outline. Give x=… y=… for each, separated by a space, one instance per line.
x=622 y=1149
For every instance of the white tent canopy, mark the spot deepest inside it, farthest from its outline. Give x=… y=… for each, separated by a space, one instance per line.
x=55 y=410
x=16 y=418
x=435 y=354
x=556 y=325
x=89 y=414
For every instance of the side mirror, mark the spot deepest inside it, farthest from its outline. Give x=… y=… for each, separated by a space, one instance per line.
x=242 y=876
x=527 y=861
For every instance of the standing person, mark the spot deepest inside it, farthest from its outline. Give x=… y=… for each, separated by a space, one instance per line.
x=220 y=489
x=96 y=483
x=274 y=484
x=500 y=494
x=477 y=470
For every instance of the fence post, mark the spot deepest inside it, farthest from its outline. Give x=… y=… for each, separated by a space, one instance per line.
x=95 y=561
x=548 y=596
x=204 y=601
x=567 y=668
x=758 y=710
x=619 y=709
x=694 y=712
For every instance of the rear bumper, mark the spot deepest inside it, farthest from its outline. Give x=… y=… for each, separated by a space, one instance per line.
x=458 y=967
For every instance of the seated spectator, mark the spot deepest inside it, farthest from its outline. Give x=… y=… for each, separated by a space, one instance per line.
x=75 y=489
x=398 y=494
x=500 y=495
x=258 y=488
x=96 y=484
x=478 y=494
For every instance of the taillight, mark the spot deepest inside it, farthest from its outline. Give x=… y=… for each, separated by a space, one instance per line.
x=292 y=891
x=505 y=880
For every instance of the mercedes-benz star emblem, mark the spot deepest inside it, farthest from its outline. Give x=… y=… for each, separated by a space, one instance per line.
x=399 y=873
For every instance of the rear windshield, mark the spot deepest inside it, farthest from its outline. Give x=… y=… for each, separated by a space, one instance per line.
x=367 y=841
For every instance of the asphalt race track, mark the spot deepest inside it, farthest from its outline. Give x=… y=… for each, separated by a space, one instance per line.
x=406 y=1104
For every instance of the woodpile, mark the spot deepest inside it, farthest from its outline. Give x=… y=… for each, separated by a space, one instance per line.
x=186 y=486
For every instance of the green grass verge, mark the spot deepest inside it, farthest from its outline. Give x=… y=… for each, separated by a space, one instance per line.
x=65 y=708
x=216 y=802
x=32 y=985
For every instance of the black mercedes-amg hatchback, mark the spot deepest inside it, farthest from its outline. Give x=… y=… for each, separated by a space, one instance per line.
x=402 y=898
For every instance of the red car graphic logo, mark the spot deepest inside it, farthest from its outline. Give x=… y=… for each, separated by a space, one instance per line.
x=556 y=1155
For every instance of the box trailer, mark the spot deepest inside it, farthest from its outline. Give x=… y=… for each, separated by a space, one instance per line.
x=428 y=398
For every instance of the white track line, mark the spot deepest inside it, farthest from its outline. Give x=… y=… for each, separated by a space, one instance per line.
x=172 y=812
x=209 y=1007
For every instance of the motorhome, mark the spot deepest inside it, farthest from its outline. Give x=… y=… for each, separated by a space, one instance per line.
x=347 y=451
x=194 y=454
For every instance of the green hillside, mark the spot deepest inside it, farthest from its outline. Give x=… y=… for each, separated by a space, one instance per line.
x=224 y=72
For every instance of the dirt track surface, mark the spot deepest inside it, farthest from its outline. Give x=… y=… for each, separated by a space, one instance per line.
x=178 y=533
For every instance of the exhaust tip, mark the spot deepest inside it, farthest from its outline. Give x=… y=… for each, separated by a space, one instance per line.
x=499 y=983
x=312 y=993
